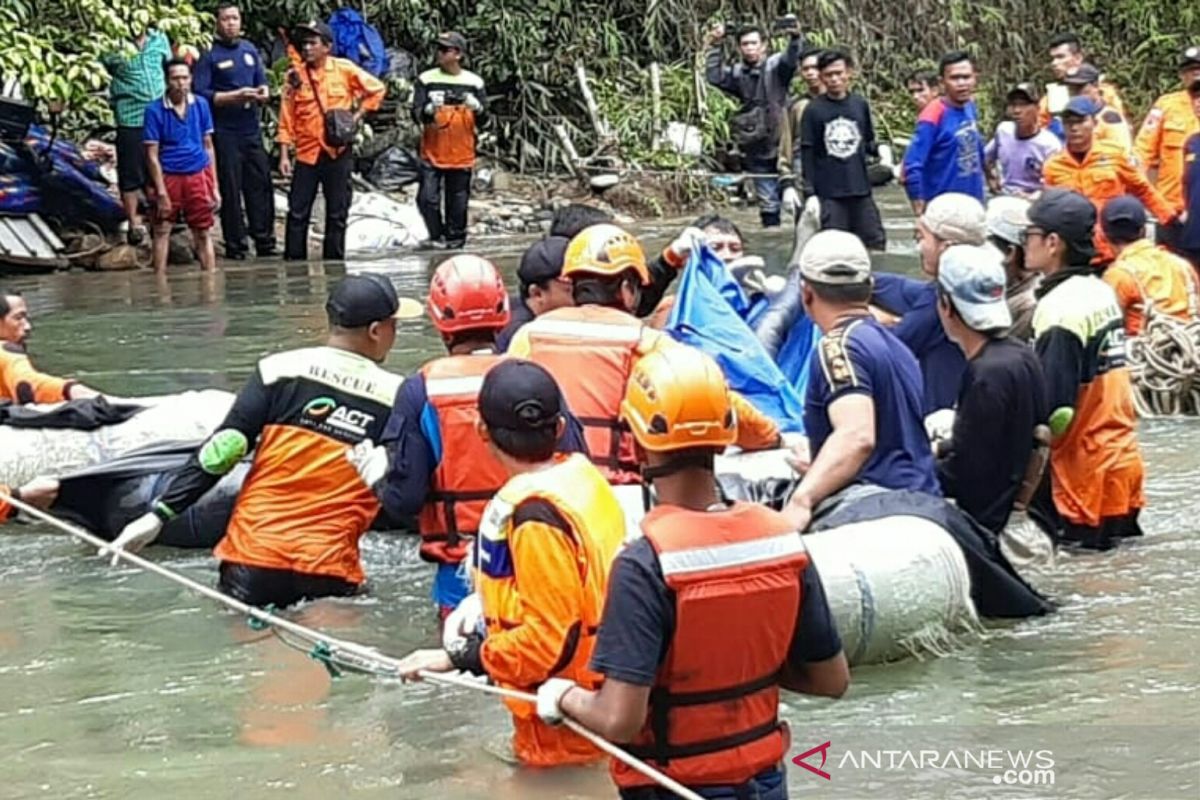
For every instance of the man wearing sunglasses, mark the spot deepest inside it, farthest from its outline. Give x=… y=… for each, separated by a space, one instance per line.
x=448 y=101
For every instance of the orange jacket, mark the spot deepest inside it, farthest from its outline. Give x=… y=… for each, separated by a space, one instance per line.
x=468 y=475
x=1104 y=173
x=546 y=545
x=1161 y=140
x=1108 y=92
x=338 y=84
x=591 y=351
x=1144 y=273
x=448 y=131
x=21 y=383
x=6 y=510
x=1112 y=128
x=737 y=580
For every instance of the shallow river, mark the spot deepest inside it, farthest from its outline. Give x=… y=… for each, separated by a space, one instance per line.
x=119 y=684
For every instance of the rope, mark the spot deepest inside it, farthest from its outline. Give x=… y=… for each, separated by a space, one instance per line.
x=332 y=652
x=1165 y=366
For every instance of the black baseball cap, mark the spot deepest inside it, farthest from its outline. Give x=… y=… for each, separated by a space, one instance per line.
x=1190 y=57
x=1027 y=90
x=519 y=395
x=543 y=261
x=313 y=28
x=358 y=300
x=453 y=39
x=1082 y=75
x=1069 y=214
x=1123 y=218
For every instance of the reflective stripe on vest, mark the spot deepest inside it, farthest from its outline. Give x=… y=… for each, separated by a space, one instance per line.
x=579 y=329
x=441 y=387
x=737 y=554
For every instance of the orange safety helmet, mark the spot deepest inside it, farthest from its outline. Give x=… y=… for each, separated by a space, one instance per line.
x=467 y=292
x=677 y=398
x=604 y=250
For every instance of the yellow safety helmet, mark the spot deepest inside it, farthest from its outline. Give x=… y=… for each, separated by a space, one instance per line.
x=604 y=250
x=676 y=399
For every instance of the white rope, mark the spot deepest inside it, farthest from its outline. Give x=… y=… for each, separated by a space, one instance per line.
x=359 y=655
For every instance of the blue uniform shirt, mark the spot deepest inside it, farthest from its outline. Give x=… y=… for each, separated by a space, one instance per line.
x=946 y=153
x=942 y=361
x=227 y=67
x=860 y=356
x=180 y=141
x=1190 y=238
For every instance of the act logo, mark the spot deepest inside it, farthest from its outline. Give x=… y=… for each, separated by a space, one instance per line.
x=320 y=407
x=823 y=749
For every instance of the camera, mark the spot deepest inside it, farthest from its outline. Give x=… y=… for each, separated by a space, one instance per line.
x=455 y=97
x=785 y=24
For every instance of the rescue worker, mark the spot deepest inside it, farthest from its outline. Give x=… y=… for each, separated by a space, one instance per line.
x=448 y=102
x=1084 y=81
x=306 y=502
x=862 y=409
x=1160 y=143
x=1145 y=277
x=313 y=94
x=1099 y=171
x=1188 y=242
x=20 y=381
x=591 y=348
x=39 y=493
x=438 y=467
x=1094 y=457
x=948 y=220
x=541 y=563
x=1066 y=54
x=1006 y=221
x=1002 y=399
x=790 y=170
x=693 y=660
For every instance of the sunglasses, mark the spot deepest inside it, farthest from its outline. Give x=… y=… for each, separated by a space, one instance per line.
x=1028 y=232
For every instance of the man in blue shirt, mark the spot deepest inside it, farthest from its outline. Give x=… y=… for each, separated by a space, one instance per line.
x=177 y=134
x=862 y=410
x=231 y=77
x=1189 y=240
x=946 y=152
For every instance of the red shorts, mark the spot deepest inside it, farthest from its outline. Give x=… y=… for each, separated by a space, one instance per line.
x=192 y=196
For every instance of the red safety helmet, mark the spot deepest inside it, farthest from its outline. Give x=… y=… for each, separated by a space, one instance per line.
x=467 y=292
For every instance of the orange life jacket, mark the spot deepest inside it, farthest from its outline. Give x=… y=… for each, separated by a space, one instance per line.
x=590 y=351
x=467 y=475
x=737 y=576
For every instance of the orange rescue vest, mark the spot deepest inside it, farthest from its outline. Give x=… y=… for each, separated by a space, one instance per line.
x=737 y=577
x=467 y=475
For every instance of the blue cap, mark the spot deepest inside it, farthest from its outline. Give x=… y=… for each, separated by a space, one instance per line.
x=973 y=276
x=1124 y=219
x=1081 y=106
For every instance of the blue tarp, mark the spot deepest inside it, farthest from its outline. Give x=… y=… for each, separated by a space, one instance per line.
x=355 y=39
x=710 y=313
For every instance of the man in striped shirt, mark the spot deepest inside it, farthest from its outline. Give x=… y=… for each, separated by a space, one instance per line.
x=137 y=80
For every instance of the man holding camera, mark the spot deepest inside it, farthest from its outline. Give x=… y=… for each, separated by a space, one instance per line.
x=760 y=83
x=448 y=102
x=324 y=99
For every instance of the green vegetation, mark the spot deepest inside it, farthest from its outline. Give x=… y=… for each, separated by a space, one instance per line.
x=527 y=51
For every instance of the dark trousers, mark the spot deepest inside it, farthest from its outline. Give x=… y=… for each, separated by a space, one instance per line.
x=333 y=176
x=243 y=172
x=857 y=215
x=259 y=586
x=429 y=202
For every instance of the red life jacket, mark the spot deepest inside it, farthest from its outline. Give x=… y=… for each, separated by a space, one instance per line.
x=467 y=475
x=737 y=577
x=590 y=351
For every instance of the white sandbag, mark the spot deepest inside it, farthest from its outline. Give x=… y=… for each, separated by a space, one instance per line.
x=28 y=452
x=897 y=587
x=378 y=224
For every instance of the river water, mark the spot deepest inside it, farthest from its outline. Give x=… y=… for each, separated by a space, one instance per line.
x=119 y=684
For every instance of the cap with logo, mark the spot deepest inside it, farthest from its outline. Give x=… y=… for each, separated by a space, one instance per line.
x=973 y=276
x=835 y=257
x=1068 y=214
x=1190 y=57
x=1080 y=106
x=358 y=300
x=1124 y=218
x=1029 y=91
x=1007 y=218
x=956 y=218
x=543 y=261
x=313 y=28
x=519 y=395
x=454 y=40
x=1082 y=75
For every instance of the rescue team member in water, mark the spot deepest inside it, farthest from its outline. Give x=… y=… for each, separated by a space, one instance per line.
x=438 y=467
x=39 y=493
x=1094 y=458
x=949 y=219
x=707 y=616
x=20 y=382
x=592 y=347
x=1002 y=399
x=297 y=521
x=1142 y=274
x=546 y=543
x=862 y=410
